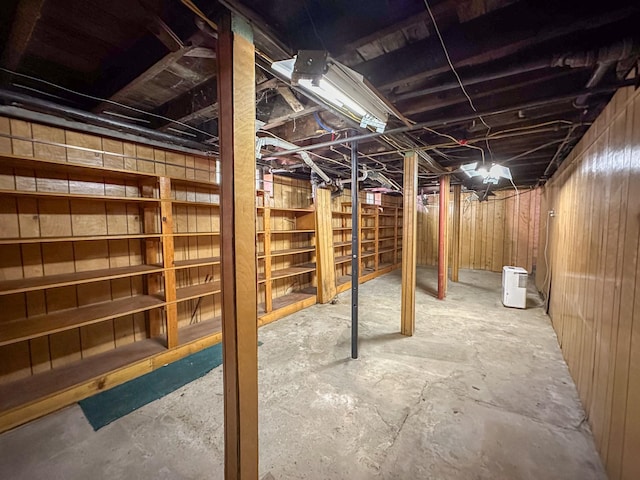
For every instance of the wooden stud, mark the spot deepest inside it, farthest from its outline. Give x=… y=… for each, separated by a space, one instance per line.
x=325 y=259
x=166 y=218
x=443 y=236
x=409 y=244
x=152 y=247
x=455 y=241
x=268 y=295
x=236 y=94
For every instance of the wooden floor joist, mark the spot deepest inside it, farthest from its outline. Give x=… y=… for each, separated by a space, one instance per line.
x=236 y=91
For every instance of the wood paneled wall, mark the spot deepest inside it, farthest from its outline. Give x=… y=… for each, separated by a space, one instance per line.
x=594 y=277
x=501 y=231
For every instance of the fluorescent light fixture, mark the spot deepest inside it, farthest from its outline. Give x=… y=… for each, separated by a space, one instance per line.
x=491 y=175
x=337 y=86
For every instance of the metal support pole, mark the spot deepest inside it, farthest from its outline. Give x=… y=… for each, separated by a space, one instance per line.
x=355 y=252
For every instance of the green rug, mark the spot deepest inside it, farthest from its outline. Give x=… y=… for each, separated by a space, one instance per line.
x=105 y=407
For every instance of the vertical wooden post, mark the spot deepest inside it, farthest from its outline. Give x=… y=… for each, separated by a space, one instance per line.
x=268 y=287
x=236 y=98
x=409 y=244
x=166 y=216
x=456 y=234
x=443 y=235
x=325 y=261
x=153 y=283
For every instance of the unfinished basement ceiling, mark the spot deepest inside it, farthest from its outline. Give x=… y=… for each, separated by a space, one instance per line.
x=537 y=72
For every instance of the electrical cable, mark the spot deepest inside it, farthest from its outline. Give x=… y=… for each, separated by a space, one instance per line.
x=105 y=100
x=313 y=25
x=464 y=90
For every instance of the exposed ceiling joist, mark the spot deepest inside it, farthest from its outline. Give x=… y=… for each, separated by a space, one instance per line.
x=27 y=16
x=522 y=25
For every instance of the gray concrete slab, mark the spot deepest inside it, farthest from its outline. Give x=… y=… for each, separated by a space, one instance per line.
x=480 y=392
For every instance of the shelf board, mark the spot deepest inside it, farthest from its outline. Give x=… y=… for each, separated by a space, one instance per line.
x=343 y=259
x=79 y=196
x=14 y=241
x=368 y=228
x=27 y=328
x=367 y=240
x=196 y=262
x=197 y=291
x=280 y=232
x=384 y=239
x=195 y=204
x=367 y=254
x=8 y=287
x=195 y=182
x=292 y=251
x=289 y=272
x=287 y=209
x=342 y=214
x=201 y=329
x=342 y=244
x=287 y=300
x=196 y=234
x=341 y=229
x=388 y=250
x=42 y=164
x=27 y=390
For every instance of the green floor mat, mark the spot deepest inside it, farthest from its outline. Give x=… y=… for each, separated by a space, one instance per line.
x=105 y=407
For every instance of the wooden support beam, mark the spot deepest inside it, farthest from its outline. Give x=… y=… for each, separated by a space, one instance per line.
x=326 y=267
x=290 y=98
x=166 y=220
x=153 y=282
x=443 y=236
x=456 y=234
x=28 y=13
x=409 y=244
x=236 y=92
x=268 y=287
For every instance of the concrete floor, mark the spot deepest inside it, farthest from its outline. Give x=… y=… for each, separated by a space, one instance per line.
x=480 y=392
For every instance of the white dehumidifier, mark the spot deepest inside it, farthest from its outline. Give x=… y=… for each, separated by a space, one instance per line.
x=514 y=287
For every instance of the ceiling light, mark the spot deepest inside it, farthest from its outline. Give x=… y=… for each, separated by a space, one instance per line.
x=337 y=86
x=492 y=175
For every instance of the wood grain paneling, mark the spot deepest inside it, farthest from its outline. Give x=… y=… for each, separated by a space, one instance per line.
x=501 y=231
x=592 y=277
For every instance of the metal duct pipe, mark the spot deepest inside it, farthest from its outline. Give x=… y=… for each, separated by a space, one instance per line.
x=605 y=55
x=278 y=142
x=44 y=106
x=344 y=181
x=464 y=118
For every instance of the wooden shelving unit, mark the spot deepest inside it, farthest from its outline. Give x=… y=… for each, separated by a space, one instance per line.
x=286 y=258
x=379 y=244
x=105 y=273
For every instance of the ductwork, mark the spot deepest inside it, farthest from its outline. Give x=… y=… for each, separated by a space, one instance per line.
x=278 y=142
x=605 y=58
x=614 y=53
x=15 y=99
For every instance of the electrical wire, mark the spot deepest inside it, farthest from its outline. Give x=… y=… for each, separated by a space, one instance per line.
x=313 y=25
x=467 y=145
x=453 y=69
x=105 y=100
